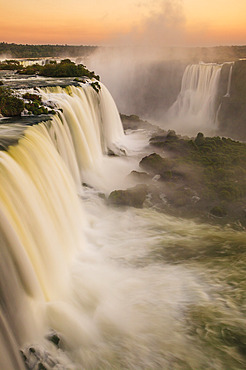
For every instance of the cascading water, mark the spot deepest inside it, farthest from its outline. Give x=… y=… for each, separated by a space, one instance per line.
x=122 y=288
x=227 y=95
x=195 y=107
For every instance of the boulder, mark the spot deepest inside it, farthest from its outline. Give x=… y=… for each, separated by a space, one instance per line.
x=155 y=164
x=133 y=197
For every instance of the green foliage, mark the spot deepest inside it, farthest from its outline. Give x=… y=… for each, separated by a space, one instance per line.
x=10 y=65
x=199 y=140
x=65 y=68
x=155 y=164
x=213 y=167
x=171 y=136
x=96 y=86
x=39 y=51
x=10 y=105
x=30 y=70
x=32 y=97
x=36 y=109
x=35 y=106
x=218 y=211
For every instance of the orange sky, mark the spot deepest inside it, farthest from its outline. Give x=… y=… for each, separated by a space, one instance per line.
x=162 y=22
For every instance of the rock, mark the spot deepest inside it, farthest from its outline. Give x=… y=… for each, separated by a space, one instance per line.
x=140 y=176
x=133 y=122
x=41 y=366
x=218 y=211
x=54 y=338
x=164 y=167
x=171 y=135
x=133 y=197
x=199 y=140
x=155 y=164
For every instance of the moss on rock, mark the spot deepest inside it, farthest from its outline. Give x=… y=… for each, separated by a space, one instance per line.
x=133 y=197
x=10 y=105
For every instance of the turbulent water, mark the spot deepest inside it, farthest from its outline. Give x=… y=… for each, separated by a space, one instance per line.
x=195 y=107
x=122 y=288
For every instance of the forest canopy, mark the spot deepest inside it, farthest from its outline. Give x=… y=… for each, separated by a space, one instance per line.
x=38 y=51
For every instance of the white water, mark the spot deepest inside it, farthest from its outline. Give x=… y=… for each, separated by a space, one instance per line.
x=227 y=95
x=93 y=274
x=91 y=126
x=195 y=108
x=42 y=222
x=71 y=273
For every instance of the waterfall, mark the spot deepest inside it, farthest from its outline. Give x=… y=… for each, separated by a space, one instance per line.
x=42 y=229
x=227 y=95
x=121 y=288
x=195 y=107
x=41 y=215
x=94 y=121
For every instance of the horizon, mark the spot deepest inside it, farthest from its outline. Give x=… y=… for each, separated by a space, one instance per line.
x=123 y=46
x=166 y=23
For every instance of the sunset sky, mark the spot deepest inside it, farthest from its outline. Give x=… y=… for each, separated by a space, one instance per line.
x=110 y=22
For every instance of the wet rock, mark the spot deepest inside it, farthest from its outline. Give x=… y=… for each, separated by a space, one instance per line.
x=54 y=338
x=38 y=358
x=155 y=164
x=140 y=176
x=41 y=366
x=164 y=167
x=133 y=197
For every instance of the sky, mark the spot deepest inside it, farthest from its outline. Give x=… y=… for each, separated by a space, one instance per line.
x=124 y=22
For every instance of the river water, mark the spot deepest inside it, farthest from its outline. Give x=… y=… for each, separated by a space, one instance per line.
x=123 y=288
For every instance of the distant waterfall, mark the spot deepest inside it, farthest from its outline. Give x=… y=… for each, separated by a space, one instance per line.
x=195 y=107
x=228 y=92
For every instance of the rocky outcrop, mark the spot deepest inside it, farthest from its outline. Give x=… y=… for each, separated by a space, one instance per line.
x=133 y=197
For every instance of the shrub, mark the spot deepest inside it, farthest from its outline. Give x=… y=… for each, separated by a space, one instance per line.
x=10 y=105
x=218 y=211
x=65 y=68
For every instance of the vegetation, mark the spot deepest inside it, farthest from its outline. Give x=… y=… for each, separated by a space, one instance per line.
x=96 y=86
x=39 y=51
x=10 y=105
x=36 y=108
x=205 y=174
x=65 y=68
x=10 y=65
x=211 y=54
x=35 y=105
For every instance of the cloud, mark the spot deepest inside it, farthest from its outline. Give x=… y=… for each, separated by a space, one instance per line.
x=163 y=25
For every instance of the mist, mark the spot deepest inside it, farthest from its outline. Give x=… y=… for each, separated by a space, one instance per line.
x=145 y=67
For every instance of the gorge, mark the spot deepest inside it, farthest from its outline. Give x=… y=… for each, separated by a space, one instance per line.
x=87 y=285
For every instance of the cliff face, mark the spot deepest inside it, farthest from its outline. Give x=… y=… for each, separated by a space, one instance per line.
x=232 y=112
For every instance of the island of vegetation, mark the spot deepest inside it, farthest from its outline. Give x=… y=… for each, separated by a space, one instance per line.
x=66 y=68
x=13 y=105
